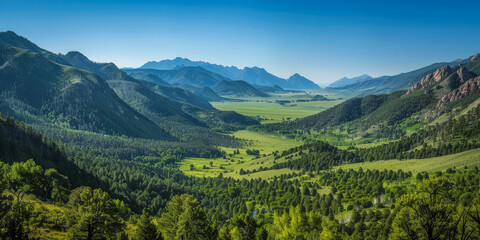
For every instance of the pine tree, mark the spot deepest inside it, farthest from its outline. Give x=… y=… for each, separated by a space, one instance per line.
x=146 y=229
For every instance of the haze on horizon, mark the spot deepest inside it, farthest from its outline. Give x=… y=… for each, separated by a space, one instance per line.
x=320 y=40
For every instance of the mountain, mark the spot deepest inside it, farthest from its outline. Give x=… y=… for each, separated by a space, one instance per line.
x=178 y=94
x=107 y=71
x=388 y=84
x=452 y=84
x=436 y=94
x=298 y=81
x=194 y=76
x=184 y=121
x=198 y=78
x=272 y=89
x=347 y=81
x=169 y=64
x=46 y=92
x=253 y=75
x=206 y=93
x=260 y=76
x=10 y=38
x=238 y=89
x=150 y=78
x=152 y=105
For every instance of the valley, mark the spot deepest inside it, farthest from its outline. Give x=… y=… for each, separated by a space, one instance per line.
x=181 y=149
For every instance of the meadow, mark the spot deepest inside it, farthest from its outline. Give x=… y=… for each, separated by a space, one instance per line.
x=469 y=159
x=233 y=162
x=269 y=110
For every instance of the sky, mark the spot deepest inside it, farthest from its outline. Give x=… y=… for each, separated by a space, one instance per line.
x=321 y=40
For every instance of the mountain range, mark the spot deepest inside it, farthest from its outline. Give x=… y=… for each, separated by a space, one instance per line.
x=348 y=81
x=388 y=84
x=197 y=78
x=444 y=91
x=48 y=89
x=252 y=75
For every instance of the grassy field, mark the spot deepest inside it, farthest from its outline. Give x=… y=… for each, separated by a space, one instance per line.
x=229 y=166
x=271 y=111
x=460 y=160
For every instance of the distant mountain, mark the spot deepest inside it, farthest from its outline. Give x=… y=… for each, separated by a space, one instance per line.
x=237 y=88
x=253 y=75
x=77 y=99
x=388 y=84
x=260 y=76
x=347 y=81
x=150 y=78
x=205 y=93
x=445 y=91
x=169 y=64
x=178 y=94
x=36 y=89
x=194 y=76
x=298 y=81
x=272 y=89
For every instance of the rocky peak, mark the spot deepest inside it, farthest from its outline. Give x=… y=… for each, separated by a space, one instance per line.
x=465 y=89
x=433 y=78
x=464 y=75
x=475 y=57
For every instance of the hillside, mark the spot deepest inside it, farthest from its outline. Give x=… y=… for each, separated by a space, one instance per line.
x=149 y=78
x=20 y=142
x=434 y=96
x=388 y=84
x=238 y=89
x=182 y=120
x=206 y=93
x=178 y=94
x=58 y=94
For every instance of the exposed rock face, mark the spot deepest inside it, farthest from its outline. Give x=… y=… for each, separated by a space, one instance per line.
x=433 y=78
x=475 y=57
x=464 y=75
x=465 y=89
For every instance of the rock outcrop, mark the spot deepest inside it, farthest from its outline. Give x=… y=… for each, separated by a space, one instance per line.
x=475 y=57
x=465 y=89
x=433 y=78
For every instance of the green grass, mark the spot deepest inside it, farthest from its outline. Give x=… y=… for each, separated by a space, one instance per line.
x=233 y=163
x=265 y=175
x=270 y=111
x=460 y=160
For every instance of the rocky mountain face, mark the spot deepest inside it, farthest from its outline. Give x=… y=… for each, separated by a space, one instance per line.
x=433 y=78
x=464 y=90
x=452 y=83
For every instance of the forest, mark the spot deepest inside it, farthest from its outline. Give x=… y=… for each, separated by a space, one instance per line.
x=91 y=151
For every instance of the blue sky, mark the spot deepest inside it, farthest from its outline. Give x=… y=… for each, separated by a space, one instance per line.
x=322 y=40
